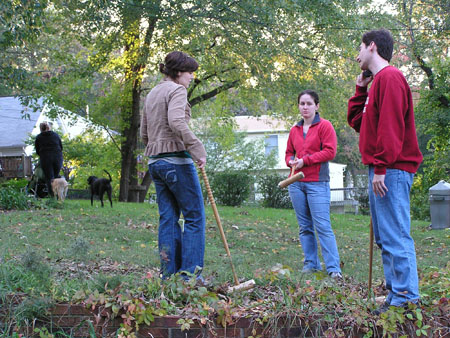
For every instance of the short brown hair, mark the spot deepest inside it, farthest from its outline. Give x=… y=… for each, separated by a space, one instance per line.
x=177 y=62
x=383 y=40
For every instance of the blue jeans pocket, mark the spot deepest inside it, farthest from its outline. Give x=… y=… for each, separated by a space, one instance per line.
x=171 y=176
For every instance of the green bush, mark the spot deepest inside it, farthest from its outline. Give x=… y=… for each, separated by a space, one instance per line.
x=16 y=184
x=10 y=198
x=362 y=196
x=13 y=199
x=273 y=196
x=231 y=187
x=420 y=205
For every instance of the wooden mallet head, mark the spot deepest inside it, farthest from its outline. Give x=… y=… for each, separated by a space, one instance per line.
x=292 y=179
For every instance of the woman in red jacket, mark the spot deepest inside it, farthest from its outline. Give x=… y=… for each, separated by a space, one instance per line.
x=311 y=144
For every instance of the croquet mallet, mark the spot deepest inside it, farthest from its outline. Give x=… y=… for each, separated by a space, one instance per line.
x=237 y=286
x=293 y=178
x=370 y=255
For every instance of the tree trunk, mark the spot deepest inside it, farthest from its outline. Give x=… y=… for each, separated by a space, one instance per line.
x=130 y=134
x=146 y=182
x=128 y=174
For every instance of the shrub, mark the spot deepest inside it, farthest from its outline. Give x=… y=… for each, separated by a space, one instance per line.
x=362 y=196
x=10 y=198
x=273 y=197
x=231 y=187
x=15 y=184
x=14 y=197
x=420 y=205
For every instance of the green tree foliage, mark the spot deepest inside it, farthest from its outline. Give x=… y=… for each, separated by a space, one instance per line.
x=21 y=24
x=104 y=55
x=424 y=28
x=89 y=154
x=228 y=150
x=233 y=161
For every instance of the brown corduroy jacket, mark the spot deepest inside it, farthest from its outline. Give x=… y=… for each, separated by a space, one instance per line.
x=164 y=122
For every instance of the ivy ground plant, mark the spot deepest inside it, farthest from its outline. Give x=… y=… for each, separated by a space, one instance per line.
x=104 y=257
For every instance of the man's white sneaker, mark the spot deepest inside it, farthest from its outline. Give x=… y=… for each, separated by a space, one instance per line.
x=336 y=275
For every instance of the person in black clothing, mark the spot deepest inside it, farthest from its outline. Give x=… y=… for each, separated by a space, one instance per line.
x=49 y=148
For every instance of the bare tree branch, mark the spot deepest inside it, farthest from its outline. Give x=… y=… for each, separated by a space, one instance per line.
x=112 y=138
x=197 y=81
x=213 y=92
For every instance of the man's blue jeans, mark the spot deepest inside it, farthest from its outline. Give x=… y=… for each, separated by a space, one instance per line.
x=391 y=227
x=311 y=202
x=178 y=191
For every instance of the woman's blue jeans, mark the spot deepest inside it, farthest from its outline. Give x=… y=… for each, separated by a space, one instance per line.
x=178 y=191
x=391 y=227
x=311 y=202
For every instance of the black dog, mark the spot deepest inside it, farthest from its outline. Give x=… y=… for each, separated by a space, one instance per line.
x=99 y=186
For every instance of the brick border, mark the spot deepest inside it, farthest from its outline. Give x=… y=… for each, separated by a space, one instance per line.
x=74 y=319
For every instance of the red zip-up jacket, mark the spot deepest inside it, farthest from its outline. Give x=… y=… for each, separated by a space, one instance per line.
x=384 y=118
x=316 y=148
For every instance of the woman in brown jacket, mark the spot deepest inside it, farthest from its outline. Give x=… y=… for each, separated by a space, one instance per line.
x=172 y=149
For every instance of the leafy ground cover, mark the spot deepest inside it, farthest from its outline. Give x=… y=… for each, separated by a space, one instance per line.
x=108 y=257
x=80 y=239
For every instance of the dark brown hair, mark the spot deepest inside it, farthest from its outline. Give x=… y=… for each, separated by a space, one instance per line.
x=384 y=41
x=177 y=62
x=311 y=93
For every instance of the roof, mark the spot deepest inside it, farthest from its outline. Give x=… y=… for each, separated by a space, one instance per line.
x=261 y=124
x=14 y=128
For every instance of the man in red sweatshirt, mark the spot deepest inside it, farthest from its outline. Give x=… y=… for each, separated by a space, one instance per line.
x=384 y=118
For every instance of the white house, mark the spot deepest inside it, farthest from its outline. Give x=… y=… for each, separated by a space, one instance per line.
x=14 y=128
x=17 y=124
x=275 y=133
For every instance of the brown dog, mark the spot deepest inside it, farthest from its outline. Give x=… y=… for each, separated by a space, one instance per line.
x=60 y=187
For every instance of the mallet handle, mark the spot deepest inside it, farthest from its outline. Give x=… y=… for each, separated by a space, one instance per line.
x=370 y=255
x=219 y=223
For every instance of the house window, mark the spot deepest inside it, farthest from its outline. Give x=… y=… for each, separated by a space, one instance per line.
x=271 y=143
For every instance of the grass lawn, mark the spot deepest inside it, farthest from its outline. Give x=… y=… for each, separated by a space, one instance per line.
x=82 y=244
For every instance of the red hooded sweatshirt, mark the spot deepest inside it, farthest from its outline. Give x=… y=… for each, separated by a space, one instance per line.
x=316 y=148
x=384 y=118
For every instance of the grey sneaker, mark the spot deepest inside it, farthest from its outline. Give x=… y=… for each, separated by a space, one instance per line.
x=382 y=309
x=336 y=275
x=309 y=270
